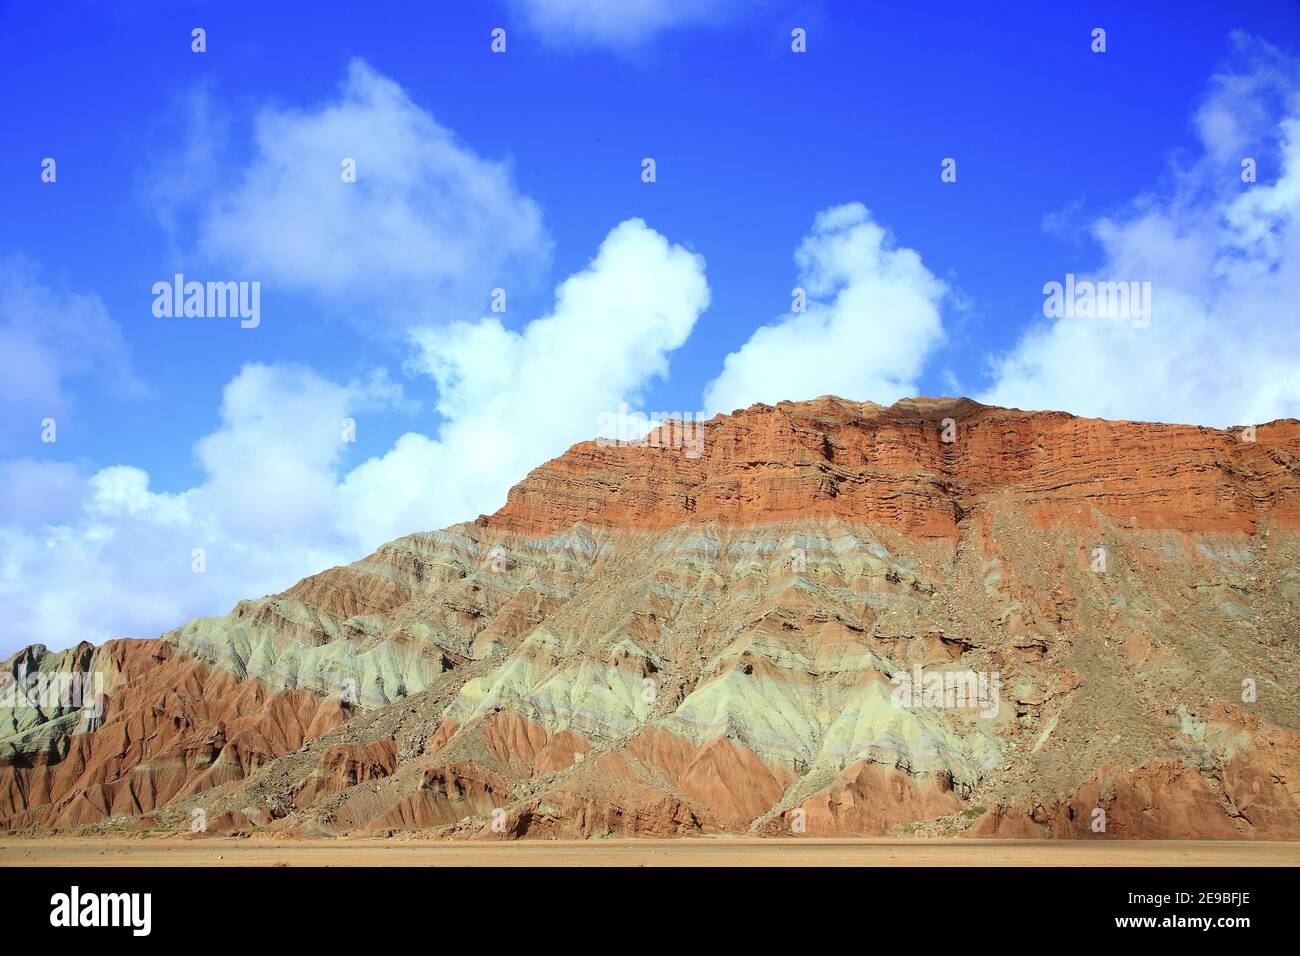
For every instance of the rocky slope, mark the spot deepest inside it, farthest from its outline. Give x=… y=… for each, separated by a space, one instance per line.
x=650 y=641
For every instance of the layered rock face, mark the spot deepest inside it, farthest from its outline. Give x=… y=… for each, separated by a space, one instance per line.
x=826 y=617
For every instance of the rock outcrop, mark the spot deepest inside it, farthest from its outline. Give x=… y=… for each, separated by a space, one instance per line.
x=825 y=617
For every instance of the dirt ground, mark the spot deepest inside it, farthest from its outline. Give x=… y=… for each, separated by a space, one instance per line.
x=696 y=852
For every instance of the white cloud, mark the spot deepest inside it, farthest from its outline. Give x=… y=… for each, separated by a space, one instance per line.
x=618 y=23
x=511 y=400
x=49 y=338
x=276 y=501
x=872 y=318
x=428 y=225
x=1223 y=260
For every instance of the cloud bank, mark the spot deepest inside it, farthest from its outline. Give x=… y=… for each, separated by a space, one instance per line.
x=1223 y=260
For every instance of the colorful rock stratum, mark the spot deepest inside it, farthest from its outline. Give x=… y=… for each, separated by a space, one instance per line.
x=1099 y=621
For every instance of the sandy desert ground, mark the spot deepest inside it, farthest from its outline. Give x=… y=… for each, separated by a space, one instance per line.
x=702 y=852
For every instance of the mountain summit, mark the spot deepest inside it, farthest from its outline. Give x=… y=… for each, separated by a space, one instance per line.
x=822 y=617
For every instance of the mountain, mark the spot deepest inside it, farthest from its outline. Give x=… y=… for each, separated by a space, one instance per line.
x=823 y=617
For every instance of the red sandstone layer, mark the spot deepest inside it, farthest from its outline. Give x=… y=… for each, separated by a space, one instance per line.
x=891 y=466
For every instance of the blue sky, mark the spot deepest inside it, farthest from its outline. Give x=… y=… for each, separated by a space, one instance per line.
x=479 y=170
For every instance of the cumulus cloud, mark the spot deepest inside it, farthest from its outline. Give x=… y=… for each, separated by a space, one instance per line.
x=428 y=225
x=50 y=338
x=510 y=400
x=1223 y=258
x=278 y=501
x=871 y=320
x=618 y=23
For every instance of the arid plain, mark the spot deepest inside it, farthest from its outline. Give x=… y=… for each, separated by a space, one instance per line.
x=681 y=852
